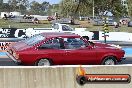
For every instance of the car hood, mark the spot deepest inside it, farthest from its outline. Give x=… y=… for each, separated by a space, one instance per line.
x=110 y=46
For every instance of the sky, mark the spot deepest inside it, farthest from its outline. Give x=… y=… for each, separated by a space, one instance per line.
x=40 y=1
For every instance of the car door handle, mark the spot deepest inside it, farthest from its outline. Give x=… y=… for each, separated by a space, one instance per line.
x=68 y=51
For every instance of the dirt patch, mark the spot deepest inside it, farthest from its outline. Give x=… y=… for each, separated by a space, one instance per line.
x=85 y=24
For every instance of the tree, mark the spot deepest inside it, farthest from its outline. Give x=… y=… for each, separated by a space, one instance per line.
x=23 y=5
x=6 y=7
x=13 y=4
x=84 y=7
x=23 y=2
x=130 y=7
x=18 y=5
x=113 y=6
x=34 y=7
x=40 y=9
x=45 y=6
x=75 y=7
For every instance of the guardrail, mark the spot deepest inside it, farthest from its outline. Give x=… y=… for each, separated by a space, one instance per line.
x=57 y=77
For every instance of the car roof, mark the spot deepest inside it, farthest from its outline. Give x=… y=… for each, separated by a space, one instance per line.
x=58 y=34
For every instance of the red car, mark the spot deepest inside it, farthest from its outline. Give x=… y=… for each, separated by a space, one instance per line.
x=63 y=49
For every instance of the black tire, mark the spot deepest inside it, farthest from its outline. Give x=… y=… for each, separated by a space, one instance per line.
x=110 y=60
x=81 y=80
x=43 y=62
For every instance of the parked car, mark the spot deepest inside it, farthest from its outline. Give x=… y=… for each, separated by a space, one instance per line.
x=57 y=27
x=130 y=24
x=110 y=22
x=63 y=49
x=101 y=22
x=98 y=22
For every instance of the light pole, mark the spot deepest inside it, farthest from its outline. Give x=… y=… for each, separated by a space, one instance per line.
x=93 y=9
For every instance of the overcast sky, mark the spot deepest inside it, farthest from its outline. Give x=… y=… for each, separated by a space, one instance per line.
x=51 y=1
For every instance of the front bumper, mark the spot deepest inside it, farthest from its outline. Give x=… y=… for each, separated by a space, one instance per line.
x=122 y=59
x=13 y=58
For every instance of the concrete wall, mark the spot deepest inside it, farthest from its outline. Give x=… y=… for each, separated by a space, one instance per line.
x=56 y=77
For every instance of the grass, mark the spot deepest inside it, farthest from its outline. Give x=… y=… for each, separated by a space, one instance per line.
x=12 y=24
x=46 y=24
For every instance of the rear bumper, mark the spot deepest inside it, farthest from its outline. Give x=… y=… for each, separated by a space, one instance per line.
x=13 y=58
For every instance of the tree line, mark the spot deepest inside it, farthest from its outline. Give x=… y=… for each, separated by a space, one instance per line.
x=69 y=7
x=85 y=7
x=25 y=7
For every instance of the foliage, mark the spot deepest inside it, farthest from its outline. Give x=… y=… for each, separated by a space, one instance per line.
x=68 y=7
x=84 y=7
x=39 y=9
x=130 y=7
x=14 y=5
x=74 y=7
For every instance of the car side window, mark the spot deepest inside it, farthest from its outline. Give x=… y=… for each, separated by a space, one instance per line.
x=74 y=43
x=65 y=28
x=52 y=44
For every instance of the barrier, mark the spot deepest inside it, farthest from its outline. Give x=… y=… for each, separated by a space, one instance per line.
x=57 y=77
x=4 y=46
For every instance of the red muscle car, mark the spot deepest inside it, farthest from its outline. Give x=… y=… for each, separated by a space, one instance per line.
x=63 y=49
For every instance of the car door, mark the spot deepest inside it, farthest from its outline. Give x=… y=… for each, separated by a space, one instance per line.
x=78 y=52
x=52 y=49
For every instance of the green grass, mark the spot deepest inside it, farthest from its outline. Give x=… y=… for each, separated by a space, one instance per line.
x=90 y=27
x=122 y=28
x=12 y=24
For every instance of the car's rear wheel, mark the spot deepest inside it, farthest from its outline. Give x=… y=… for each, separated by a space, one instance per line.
x=43 y=62
x=110 y=60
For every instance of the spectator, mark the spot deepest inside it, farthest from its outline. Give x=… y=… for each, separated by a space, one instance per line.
x=88 y=20
x=24 y=17
x=29 y=17
x=116 y=24
x=72 y=21
x=36 y=21
x=5 y=16
x=56 y=15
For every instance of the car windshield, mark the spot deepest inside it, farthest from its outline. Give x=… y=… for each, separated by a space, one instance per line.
x=67 y=28
x=34 y=40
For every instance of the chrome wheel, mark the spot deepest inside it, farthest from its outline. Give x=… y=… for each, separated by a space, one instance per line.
x=44 y=62
x=109 y=62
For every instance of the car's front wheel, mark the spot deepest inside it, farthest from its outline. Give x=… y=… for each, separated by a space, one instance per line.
x=110 y=60
x=43 y=62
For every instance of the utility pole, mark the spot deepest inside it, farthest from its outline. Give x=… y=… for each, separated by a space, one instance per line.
x=93 y=9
